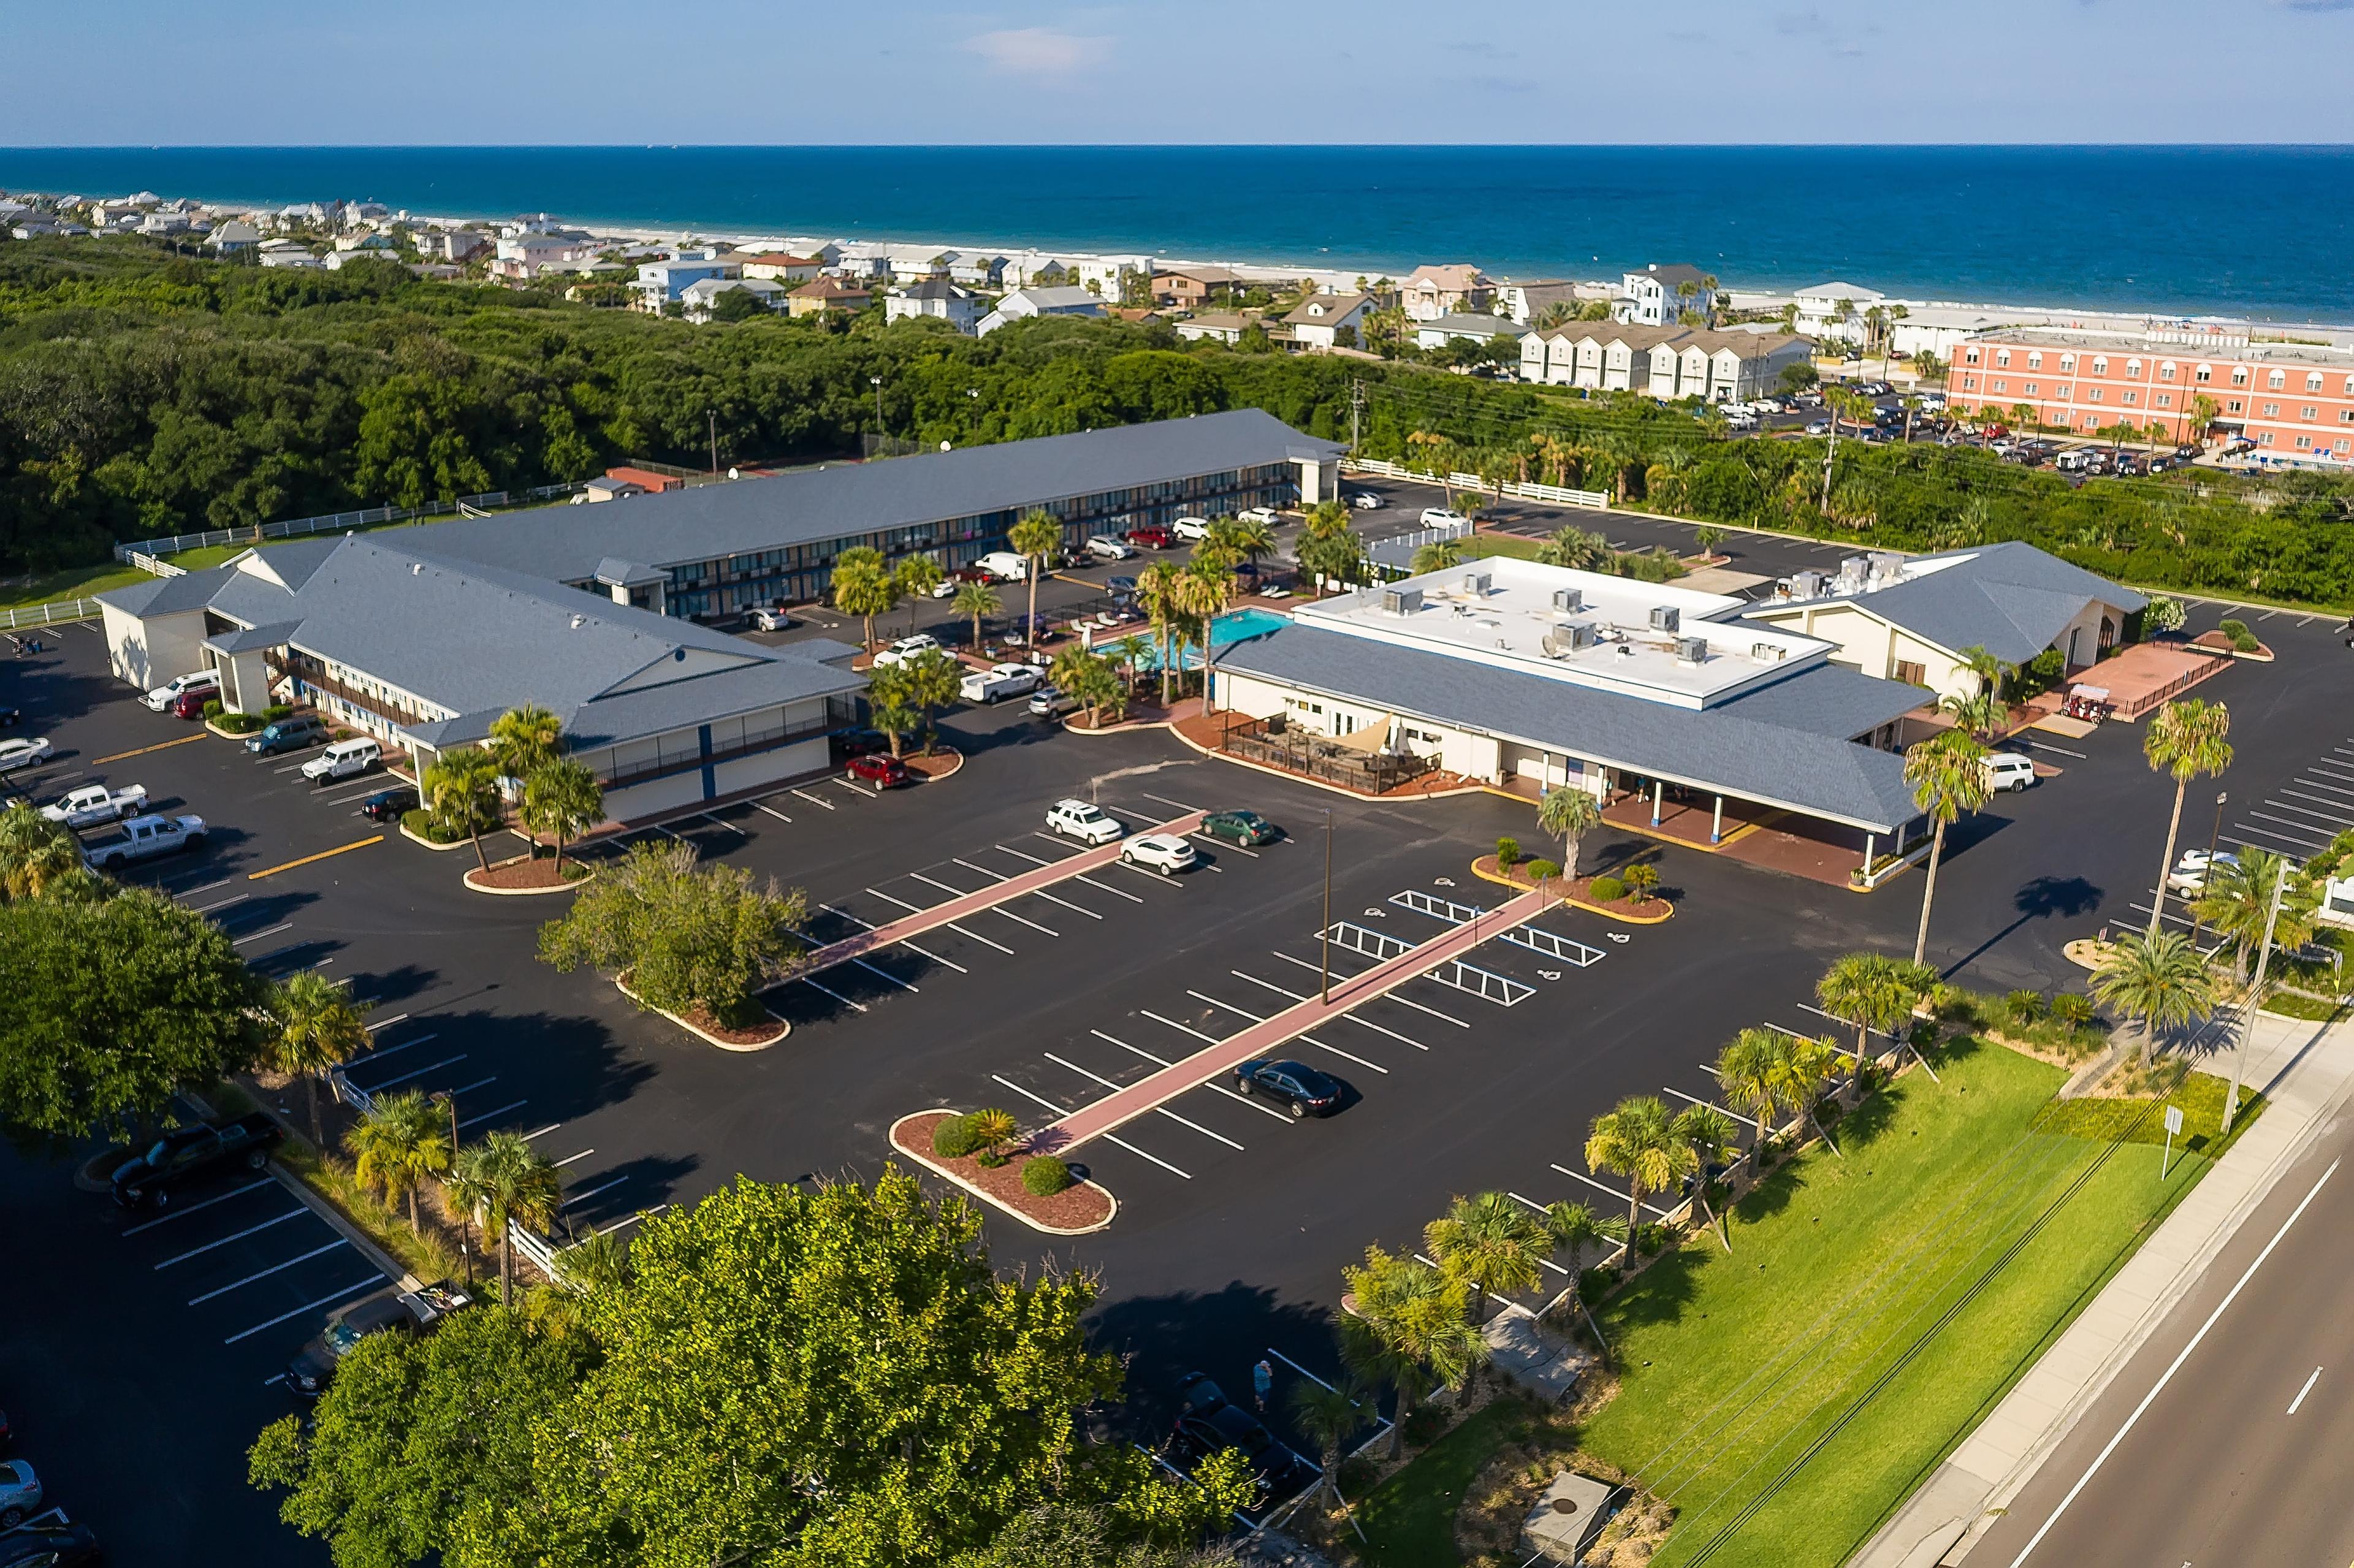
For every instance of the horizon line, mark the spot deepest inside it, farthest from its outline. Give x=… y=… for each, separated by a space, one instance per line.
x=1163 y=146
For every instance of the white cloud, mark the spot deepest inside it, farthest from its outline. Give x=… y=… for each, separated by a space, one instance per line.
x=1041 y=51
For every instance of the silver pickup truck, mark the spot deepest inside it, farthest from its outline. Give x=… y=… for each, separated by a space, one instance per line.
x=95 y=803
x=143 y=837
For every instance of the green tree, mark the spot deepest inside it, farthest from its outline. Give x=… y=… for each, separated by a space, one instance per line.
x=863 y=586
x=976 y=600
x=927 y=682
x=1948 y=775
x=399 y=1144
x=2185 y=739
x=1870 y=993
x=1329 y=547
x=2157 y=980
x=1491 y=1243
x=1328 y=1415
x=1037 y=538
x=563 y=800
x=313 y=1028
x=890 y=703
x=1436 y=556
x=35 y=853
x=1569 y=815
x=511 y=1183
x=2237 y=904
x=461 y=794
x=1636 y=1140
x=525 y=738
x=1573 y=547
x=919 y=575
x=1410 y=1329
x=1572 y=1228
x=1748 y=1074
x=1709 y=1133
x=1160 y=589
x=1802 y=1065
x=109 y=1007
x=1086 y=677
x=691 y=938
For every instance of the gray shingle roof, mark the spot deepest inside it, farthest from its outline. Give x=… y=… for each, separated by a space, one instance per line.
x=2011 y=599
x=1746 y=747
x=702 y=523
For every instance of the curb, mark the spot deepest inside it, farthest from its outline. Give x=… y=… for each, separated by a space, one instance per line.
x=429 y=844
x=1578 y=903
x=957 y=757
x=231 y=733
x=962 y=1185
x=708 y=1038
x=311 y=1199
x=573 y=885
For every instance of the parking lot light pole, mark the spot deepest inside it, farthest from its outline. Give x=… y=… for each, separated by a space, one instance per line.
x=1325 y=937
x=2255 y=1000
x=2212 y=834
x=449 y=1099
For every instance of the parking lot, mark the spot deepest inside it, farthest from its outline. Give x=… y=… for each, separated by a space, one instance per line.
x=1234 y=1220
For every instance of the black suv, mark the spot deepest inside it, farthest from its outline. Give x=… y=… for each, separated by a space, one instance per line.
x=1208 y=1422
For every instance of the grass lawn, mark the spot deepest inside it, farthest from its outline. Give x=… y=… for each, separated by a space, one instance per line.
x=1409 y=1520
x=1788 y=1396
x=75 y=582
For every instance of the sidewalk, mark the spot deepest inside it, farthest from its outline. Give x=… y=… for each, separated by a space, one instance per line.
x=2306 y=1070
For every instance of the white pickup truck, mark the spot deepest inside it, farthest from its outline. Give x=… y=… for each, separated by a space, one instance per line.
x=94 y=803
x=143 y=837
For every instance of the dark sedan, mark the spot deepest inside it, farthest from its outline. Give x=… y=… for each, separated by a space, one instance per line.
x=1208 y=1422
x=1300 y=1087
x=388 y=805
x=1245 y=828
x=47 y=1546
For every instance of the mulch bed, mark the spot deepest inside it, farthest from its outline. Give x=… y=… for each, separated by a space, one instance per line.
x=2217 y=642
x=765 y=1032
x=940 y=764
x=530 y=871
x=1076 y=1207
x=1579 y=888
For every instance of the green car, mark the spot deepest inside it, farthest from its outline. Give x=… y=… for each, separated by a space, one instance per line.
x=1239 y=827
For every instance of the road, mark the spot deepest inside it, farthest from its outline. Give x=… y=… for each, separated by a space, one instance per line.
x=2225 y=1440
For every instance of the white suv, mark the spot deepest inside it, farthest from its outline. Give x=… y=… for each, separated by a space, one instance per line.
x=1441 y=518
x=1191 y=528
x=908 y=648
x=1110 y=547
x=1258 y=514
x=1163 y=853
x=164 y=696
x=1078 y=820
x=342 y=759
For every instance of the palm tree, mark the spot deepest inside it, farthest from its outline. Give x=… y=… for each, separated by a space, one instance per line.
x=917 y=576
x=975 y=599
x=1574 y=547
x=1251 y=538
x=993 y=1130
x=1203 y=590
x=403 y=1139
x=1802 y=1067
x=1569 y=815
x=1993 y=674
x=1572 y=1228
x=2158 y=980
x=461 y=791
x=2238 y=903
x=1328 y=1417
x=35 y=852
x=1491 y=1244
x=562 y=800
x=1441 y=452
x=1947 y=773
x=1748 y=1074
x=1160 y=589
x=600 y=1260
x=2186 y=739
x=515 y=1185
x=928 y=682
x=1559 y=313
x=1634 y=1141
x=1980 y=713
x=1708 y=1132
x=1411 y=1330
x=1130 y=651
x=314 y=1027
x=524 y=737
x=1870 y=992
x=1038 y=537
x=863 y=586
x=1437 y=557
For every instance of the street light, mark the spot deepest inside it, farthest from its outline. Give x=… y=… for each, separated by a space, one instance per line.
x=876 y=382
x=448 y=1097
x=1324 y=937
x=2212 y=834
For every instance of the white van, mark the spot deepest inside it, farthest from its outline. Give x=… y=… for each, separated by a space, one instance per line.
x=2009 y=770
x=1006 y=565
x=342 y=759
x=161 y=697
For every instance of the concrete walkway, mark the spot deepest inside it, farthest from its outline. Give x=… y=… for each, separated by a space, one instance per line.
x=1261 y=1039
x=2306 y=1071
x=996 y=893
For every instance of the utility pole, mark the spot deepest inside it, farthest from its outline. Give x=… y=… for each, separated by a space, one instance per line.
x=2209 y=870
x=876 y=382
x=713 y=414
x=1356 y=411
x=1325 y=937
x=1830 y=402
x=2256 y=996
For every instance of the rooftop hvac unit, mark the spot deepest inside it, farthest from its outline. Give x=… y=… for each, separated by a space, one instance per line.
x=1401 y=601
x=1768 y=653
x=1665 y=618
x=1887 y=564
x=1479 y=583
x=1690 y=649
x=1569 y=637
x=1857 y=567
x=1569 y=600
x=1807 y=585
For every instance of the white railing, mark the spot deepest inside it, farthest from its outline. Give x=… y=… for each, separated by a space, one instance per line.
x=1590 y=500
x=339 y=521
x=539 y=1250
x=1554 y=495
x=32 y=616
x=156 y=568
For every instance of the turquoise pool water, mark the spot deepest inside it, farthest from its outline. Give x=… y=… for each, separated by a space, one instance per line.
x=1228 y=629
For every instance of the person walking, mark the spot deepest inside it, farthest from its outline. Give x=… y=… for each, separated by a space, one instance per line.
x=1262 y=1384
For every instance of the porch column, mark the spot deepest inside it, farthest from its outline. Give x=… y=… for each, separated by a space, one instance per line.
x=1659 y=798
x=1871 y=842
x=1716 y=826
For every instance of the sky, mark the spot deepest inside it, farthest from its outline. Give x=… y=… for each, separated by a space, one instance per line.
x=423 y=73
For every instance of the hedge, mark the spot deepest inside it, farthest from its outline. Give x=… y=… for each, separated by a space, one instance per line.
x=1605 y=890
x=420 y=822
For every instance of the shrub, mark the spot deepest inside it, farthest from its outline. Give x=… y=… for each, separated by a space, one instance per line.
x=1605 y=890
x=2022 y=1008
x=1651 y=1239
x=239 y=723
x=991 y=1159
x=953 y=1138
x=2245 y=642
x=2233 y=629
x=213 y=708
x=420 y=822
x=1641 y=878
x=1426 y=1422
x=1544 y=870
x=2072 y=1009
x=2163 y=614
x=275 y=712
x=1043 y=1176
x=1508 y=853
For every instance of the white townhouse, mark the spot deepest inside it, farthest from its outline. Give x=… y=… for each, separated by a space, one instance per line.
x=1024 y=303
x=936 y=298
x=1658 y=295
x=1668 y=362
x=1318 y=321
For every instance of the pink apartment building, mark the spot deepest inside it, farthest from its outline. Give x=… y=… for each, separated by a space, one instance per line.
x=2293 y=401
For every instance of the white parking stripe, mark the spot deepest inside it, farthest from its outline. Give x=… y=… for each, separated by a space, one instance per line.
x=571 y=1158
x=207 y=887
x=1360 y=1061
x=264 y=1274
x=1058 y=1110
x=477 y=1084
x=1020 y=920
x=385 y=1023
x=964 y=931
x=2334 y=788
x=1385 y=996
x=381 y=1052
x=492 y=1114
x=992 y=876
x=2340 y=815
x=827 y=990
x=1141 y=1154
x=193 y=1208
x=1180 y=805
x=1230 y=1007
x=814 y=800
x=2311 y=832
x=1213 y=1087
x=1360 y=1023
x=1115 y=892
x=1695 y=1099
x=771 y=811
x=1022 y=854
x=1603 y=1186
x=605 y=1187
x=389 y=1083
x=1235 y=849
x=862 y=924
x=1061 y=843
x=910 y=908
x=1163 y=1111
x=885 y=974
x=266 y=931
x=944 y=887
x=370 y=1283
x=234 y=1236
x=1181 y=1028
x=209 y=908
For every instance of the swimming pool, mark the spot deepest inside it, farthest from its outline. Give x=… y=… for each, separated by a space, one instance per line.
x=1233 y=627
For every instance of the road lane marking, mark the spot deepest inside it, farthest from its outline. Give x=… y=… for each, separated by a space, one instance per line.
x=370 y=1283
x=238 y=1236
x=1164 y=1110
x=143 y=750
x=264 y=1274
x=306 y=859
x=2175 y=1366
x=192 y=1208
x=2303 y=1392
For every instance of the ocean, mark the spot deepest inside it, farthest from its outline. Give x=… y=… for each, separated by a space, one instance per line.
x=2255 y=231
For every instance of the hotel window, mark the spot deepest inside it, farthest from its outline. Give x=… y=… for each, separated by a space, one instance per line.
x=2101 y=364
x=2205 y=373
x=2002 y=356
x=1999 y=386
x=2035 y=361
x=2239 y=375
x=2133 y=367
x=2313 y=382
x=2265 y=437
x=2166 y=399
x=2094 y=396
x=2303 y=442
x=1972 y=358
x=2350 y=387
x=2272 y=411
x=2308 y=413
x=1970 y=383
x=2233 y=406
x=2165 y=371
x=2030 y=388
x=2277 y=380
x=2067 y=362
x=2131 y=395
x=2346 y=416
x=2343 y=444
x=1911 y=673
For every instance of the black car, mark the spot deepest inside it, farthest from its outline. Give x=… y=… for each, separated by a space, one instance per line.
x=1120 y=587
x=1207 y=1422
x=190 y=1153
x=850 y=743
x=388 y=805
x=1303 y=1090
x=47 y=1546
x=11 y=717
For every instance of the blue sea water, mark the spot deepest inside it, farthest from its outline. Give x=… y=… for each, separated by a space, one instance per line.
x=2261 y=231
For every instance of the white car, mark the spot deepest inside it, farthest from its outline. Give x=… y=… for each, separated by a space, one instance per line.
x=908 y=648
x=1164 y=852
x=342 y=759
x=1442 y=517
x=25 y=752
x=1366 y=500
x=1000 y=682
x=94 y=803
x=2009 y=770
x=1256 y=515
x=2189 y=873
x=1107 y=547
x=772 y=619
x=20 y=1492
x=1195 y=528
x=1078 y=820
x=164 y=696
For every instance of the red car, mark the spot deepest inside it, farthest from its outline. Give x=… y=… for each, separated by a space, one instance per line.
x=190 y=704
x=1153 y=538
x=881 y=769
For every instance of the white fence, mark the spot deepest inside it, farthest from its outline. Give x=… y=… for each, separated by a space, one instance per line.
x=154 y=566
x=33 y=615
x=340 y=521
x=1554 y=495
x=539 y=1250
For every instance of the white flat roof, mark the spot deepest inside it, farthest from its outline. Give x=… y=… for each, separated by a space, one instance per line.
x=1505 y=611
